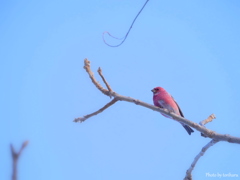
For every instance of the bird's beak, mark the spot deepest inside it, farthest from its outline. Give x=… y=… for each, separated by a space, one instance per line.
x=153 y=90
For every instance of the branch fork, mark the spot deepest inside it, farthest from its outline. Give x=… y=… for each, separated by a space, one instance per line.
x=215 y=137
x=15 y=158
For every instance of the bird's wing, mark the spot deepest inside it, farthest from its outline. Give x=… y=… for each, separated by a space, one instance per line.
x=159 y=105
x=180 y=111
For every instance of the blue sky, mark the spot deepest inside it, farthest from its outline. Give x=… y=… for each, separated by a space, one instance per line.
x=191 y=48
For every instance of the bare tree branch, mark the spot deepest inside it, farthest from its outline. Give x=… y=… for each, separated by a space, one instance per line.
x=209 y=119
x=205 y=121
x=81 y=119
x=204 y=149
x=211 y=143
x=15 y=157
x=207 y=132
x=108 y=86
x=90 y=73
x=216 y=137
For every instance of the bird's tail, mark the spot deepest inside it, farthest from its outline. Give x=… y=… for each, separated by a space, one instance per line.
x=188 y=129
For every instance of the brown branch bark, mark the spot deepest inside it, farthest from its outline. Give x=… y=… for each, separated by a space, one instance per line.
x=207 y=132
x=15 y=158
x=81 y=119
x=216 y=137
x=202 y=152
x=209 y=119
x=91 y=75
x=205 y=121
x=104 y=80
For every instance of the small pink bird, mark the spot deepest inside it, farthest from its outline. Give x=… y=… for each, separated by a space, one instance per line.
x=163 y=99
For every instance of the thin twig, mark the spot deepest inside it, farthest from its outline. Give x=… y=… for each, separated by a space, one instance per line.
x=205 y=121
x=216 y=137
x=104 y=80
x=207 y=132
x=81 y=119
x=209 y=119
x=90 y=73
x=15 y=157
x=204 y=149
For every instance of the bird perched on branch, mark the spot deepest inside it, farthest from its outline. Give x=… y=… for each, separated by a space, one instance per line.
x=163 y=99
